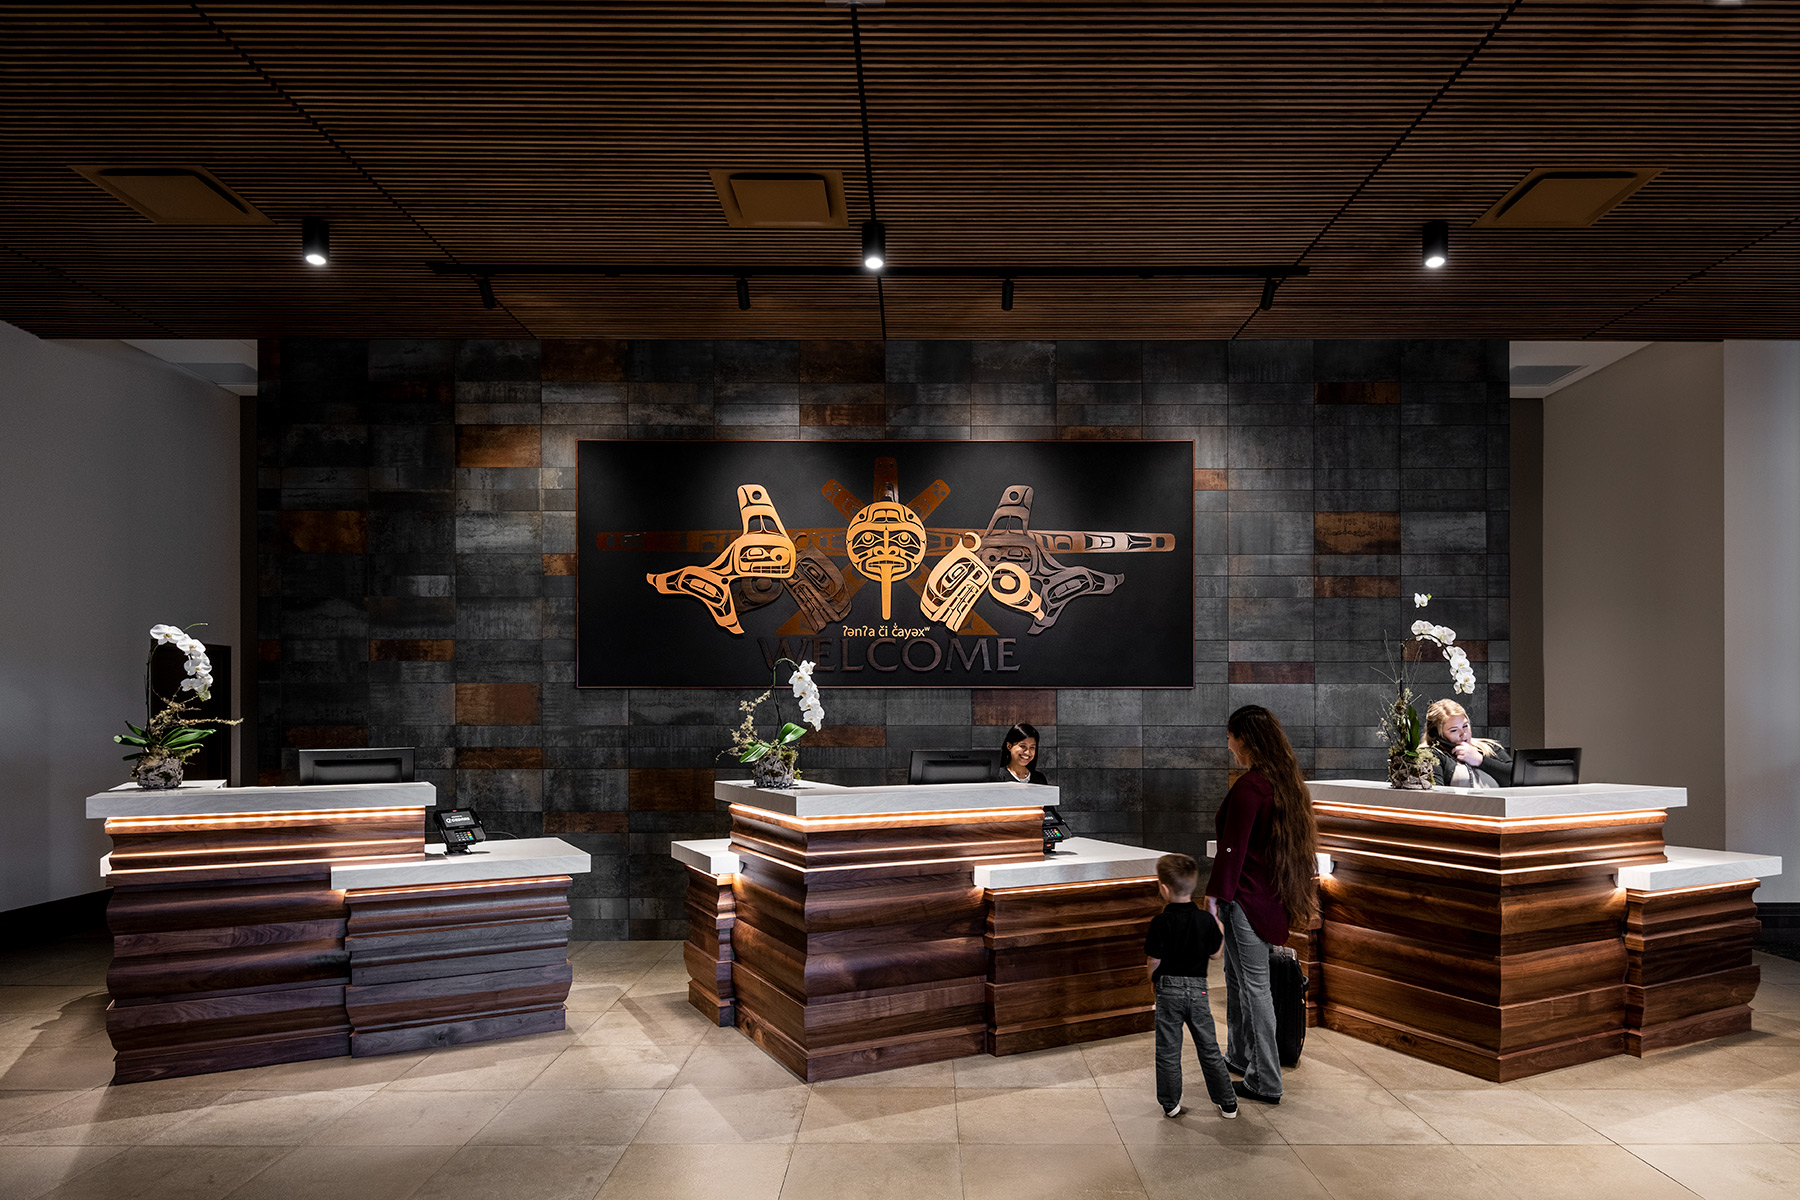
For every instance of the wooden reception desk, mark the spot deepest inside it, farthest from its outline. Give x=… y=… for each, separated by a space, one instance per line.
x=849 y=930
x=273 y=924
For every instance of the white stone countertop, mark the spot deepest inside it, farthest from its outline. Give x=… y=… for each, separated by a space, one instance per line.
x=712 y=855
x=1689 y=867
x=1568 y=800
x=210 y=798
x=806 y=799
x=499 y=858
x=1077 y=860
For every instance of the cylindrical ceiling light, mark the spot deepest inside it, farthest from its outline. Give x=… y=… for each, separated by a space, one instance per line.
x=874 y=245
x=1006 y=289
x=1268 y=295
x=1434 y=250
x=485 y=286
x=315 y=240
x=743 y=290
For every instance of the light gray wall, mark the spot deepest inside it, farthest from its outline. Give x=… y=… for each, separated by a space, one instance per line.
x=1526 y=557
x=120 y=488
x=1633 y=615
x=1762 y=605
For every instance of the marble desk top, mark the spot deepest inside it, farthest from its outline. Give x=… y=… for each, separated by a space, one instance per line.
x=1689 y=867
x=496 y=859
x=1569 y=800
x=211 y=798
x=806 y=799
x=1077 y=860
x=714 y=856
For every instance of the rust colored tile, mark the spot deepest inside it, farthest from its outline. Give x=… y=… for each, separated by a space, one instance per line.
x=1099 y=433
x=1271 y=672
x=325 y=531
x=1356 y=533
x=589 y=360
x=586 y=822
x=496 y=704
x=1210 y=479
x=847 y=735
x=559 y=564
x=843 y=360
x=1029 y=706
x=268 y=650
x=843 y=414
x=1499 y=704
x=412 y=650
x=327 y=737
x=500 y=758
x=1420 y=652
x=1356 y=587
x=498 y=446
x=671 y=789
x=1380 y=391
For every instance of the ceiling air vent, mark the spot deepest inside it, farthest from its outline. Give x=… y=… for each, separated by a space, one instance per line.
x=175 y=195
x=773 y=199
x=1565 y=197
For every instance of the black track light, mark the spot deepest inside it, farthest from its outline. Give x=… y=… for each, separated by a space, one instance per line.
x=743 y=291
x=1006 y=295
x=315 y=240
x=874 y=245
x=1434 y=249
x=1268 y=296
x=486 y=287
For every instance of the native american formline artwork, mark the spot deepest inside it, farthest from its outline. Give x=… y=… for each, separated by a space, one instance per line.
x=886 y=542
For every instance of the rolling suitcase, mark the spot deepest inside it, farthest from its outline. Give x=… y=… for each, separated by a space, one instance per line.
x=1287 y=984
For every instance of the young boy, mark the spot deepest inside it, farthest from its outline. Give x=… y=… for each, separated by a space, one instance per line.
x=1183 y=936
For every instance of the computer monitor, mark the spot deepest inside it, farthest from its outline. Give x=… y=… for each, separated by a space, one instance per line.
x=954 y=766
x=388 y=764
x=1546 y=768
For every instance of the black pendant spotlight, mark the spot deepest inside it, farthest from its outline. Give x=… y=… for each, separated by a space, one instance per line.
x=874 y=245
x=485 y=286
x=315 y=240
x=1006 y=289
x=1268 y=296
x=1434 y=249
x=743 y=290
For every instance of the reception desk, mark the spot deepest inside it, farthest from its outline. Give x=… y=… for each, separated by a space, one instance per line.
x=849 y=930
x=274 y=924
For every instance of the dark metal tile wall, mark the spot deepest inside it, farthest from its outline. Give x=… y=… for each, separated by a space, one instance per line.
x=417 y=533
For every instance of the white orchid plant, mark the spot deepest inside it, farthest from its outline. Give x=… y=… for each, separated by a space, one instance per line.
x=169 y=736
x=752 y=748
x=1401 y=726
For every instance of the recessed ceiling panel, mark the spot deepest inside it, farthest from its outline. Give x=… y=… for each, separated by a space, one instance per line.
x=175 y=195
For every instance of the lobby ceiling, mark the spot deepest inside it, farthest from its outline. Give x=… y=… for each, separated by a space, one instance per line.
x=1102 y=136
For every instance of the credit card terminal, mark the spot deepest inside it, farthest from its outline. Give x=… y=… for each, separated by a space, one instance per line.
x=461 y=828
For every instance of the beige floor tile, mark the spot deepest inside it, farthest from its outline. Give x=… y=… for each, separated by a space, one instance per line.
x=880 y=1115
x=1347 y=1116
x=1575 y=1173
x=391 y=1118
x=659 y=982
x=1752 y=1172
x=170 y=1173
x=994 y=1172
x=740 y=1063
x=27 y=1172
x=1498 y=1117
x=1130 y=1062
x=646 y=1023
x=1709 y=1068
x=346 y=1173
x=720 y=1115
x=925 y=1075
x=50 y=1028
x=1040 y=1116
x=81 y=1064
x=596 y=995
x=1402 y=1072
x=246 y=1118
x=1061 y=1067
x=21 y=1106
x=1139 y=1120
x=570 y=1118
x=1656 y=1116
x=326 y=1074
x=1773 y=1114
x=650 y=1172
x=113 y=1116
x=522 y=1173
x=1225 y=1173
x=486 y=1066
x=1777 y=1062
x=873 y=1172
x=597 y=1068
x=58 y=998
x=1324 y=1066
x=1401 y=1173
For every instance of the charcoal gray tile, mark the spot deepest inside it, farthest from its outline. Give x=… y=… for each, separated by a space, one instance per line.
x=1185 y=362
x=1013 y=361
x=1271 y=361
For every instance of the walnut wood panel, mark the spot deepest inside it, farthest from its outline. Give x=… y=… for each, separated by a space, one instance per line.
x=1690 y=973
x=438 y=966
x=711 y=913
x=1067 y=964
x=1305 y=944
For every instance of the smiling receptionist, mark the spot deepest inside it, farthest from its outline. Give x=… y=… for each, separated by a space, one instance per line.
x=1464 y=760
x=1018 y=753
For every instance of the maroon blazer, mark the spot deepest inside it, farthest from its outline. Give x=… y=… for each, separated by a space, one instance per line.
x=1241 y=869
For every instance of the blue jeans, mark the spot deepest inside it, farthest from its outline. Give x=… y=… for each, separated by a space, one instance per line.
x=1249 y=1005
x=1181 y=1001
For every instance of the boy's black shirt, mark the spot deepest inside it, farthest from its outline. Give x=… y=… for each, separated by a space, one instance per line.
x=1184 y=936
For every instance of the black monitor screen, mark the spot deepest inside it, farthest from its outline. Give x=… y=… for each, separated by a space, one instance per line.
x=392 y=764
x=954 y=766
x=1546 y=768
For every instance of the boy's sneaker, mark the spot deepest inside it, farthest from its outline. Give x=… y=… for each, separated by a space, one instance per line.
x=1229 y=1112
x=1175 y=1110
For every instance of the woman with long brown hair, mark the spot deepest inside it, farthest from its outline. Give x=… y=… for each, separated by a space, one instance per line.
x=1262 y=884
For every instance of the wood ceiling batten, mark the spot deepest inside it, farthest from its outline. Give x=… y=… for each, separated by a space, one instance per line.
x=1002 y=134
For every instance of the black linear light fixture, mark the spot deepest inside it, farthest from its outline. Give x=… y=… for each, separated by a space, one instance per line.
x=1268 y=296
x=1006 y=294
x=1434 y=244
x=743 y=291
x=486 y=287
x=315 y=240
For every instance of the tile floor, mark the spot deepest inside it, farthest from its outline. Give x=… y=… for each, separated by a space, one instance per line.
x=640 y=1098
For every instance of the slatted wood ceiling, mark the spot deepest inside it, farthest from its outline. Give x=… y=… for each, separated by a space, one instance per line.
x=1035 y=134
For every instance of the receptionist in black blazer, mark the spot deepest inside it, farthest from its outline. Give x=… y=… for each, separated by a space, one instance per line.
x=1018 y=756
x=1464 y=760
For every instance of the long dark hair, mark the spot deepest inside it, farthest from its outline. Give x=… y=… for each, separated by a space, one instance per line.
x=1293 y=833
x=1018 y=733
